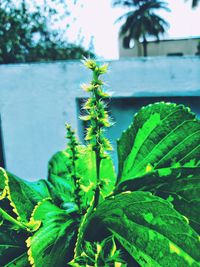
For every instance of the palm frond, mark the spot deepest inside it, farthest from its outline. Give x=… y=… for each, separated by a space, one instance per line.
x=127 y=3
x=195 y=3
x=124 y=16
x=142 y=20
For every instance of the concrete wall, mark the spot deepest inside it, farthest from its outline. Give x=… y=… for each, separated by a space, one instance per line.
x=162 y=48
x=37 y=99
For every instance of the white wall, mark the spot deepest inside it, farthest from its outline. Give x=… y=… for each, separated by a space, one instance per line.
x=37 y=99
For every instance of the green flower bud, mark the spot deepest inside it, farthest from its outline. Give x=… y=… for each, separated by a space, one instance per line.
x=90 y=64
x=103 y=69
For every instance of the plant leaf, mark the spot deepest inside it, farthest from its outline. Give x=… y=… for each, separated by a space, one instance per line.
x=86 y=167
x=181 y=186
x=53 y=243
x=59 y=170
x=161 y=135
x=96 y=254
x=23 y=195
x=21 y=261
x=2 y=183
x=12 y=245
x=148 y=227
x=60 y=175
x=185 y=196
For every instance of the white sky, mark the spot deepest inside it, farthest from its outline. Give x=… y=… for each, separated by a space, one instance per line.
x=96 y=18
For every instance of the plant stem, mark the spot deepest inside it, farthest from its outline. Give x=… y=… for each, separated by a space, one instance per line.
x=98 y=119
x=77 y=186
x=78 y=246
x=97 y=149
x=97 y=190
x=12 y=220
x=72 y=146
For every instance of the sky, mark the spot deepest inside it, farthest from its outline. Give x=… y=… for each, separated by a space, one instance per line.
x=97 y=18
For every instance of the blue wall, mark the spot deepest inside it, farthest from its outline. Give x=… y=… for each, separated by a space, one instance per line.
x=37 y=99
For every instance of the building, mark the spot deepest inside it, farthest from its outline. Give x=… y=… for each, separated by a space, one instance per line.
x=168 y=47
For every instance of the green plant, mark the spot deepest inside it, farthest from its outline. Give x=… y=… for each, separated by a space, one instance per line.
x=83 y=216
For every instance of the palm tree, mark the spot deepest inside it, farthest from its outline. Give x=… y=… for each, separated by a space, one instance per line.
x=141 y=21
x=195 y=3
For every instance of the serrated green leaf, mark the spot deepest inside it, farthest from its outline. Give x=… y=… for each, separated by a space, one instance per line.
x=12 y=245
x=148 y=227
x=59 y=175
x=98 y=254
x=24 y=195
x=53 y=243
x=181 y=186
x=61 y=189
x=2 y=183
x=154 y=179
x=21 y=261
x=59 y=164
x=161 y=135
x=86 y=167
x=185 y=196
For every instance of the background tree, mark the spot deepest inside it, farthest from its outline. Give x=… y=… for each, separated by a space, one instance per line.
x=198 y=49
x=28 y=33
x=195 y=3
x=141 y=21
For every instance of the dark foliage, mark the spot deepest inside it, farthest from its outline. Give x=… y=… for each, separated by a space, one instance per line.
x=25 y=36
